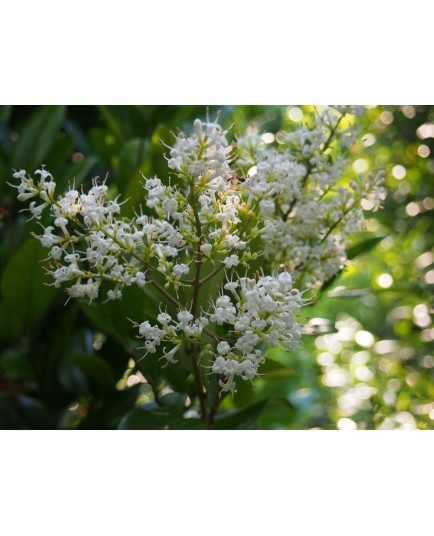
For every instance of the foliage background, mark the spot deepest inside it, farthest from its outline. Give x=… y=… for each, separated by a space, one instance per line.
x=367 y=360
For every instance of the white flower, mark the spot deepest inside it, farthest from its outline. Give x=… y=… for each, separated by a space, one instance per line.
x=267 y=207
x=219 y=365
x=164 y=319
x=206 y=249
x=170 y=356
x=223 y=348
x=180 y=269
x=170 y=206
x=229 y=385
x=48 y=239
x=82 y=290
x=231 y=261
x=114 y=294
x=184 y=317
x=139 y=279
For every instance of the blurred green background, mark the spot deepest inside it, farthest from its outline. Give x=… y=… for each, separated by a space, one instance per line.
x=367 y=359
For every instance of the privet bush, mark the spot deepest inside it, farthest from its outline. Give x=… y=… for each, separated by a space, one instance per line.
x=234 y=238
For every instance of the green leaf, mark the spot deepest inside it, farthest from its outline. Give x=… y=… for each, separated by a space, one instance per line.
x=174 y=399
x=112 y=408
x=72 y=378
x=278 y=374
x=363 y=247
x=103 y=143
x=144 y=419
x=58 y=153
x=9 y=417
x=327 y=284
x=10 y=324
x=115 y=354
x=6 y=146
x=99 y=317
x=78 y=135
x=5 y=114
x=188 y=424
x=352 y=253
x=113 y=122
x=271 y=365
x=95 y=367
x=16 y=363
x=131 y=160
x=23 y=286
x=279 y=413
x=112 y=317
x=243 y=418
x=124 y=121
x=244 y=395
x=33 y=412
x=78 y=172
x=37 y=137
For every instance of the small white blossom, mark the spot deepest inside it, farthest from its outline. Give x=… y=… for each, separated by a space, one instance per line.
x=231 y=261
x=180 y=269
x=223 y=348
x=206 y=249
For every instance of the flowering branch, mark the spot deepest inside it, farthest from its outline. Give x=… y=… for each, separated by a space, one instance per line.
x=205 y=216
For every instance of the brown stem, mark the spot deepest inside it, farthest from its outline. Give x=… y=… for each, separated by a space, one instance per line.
x=194 y=307
x=198 y=377
x=218 y=338
x=212 y=274
x=163 y=290
x=214 y=409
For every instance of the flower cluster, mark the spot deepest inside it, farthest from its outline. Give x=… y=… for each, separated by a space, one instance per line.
x=306 y=214
x=259 y=312
x=222 y=206
x=185 y=328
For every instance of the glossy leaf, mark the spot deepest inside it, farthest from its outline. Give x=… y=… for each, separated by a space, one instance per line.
x=37 y=137
x=363 y=247
x=243 y=418
x=96 y=368
x=78 y=172
x=5 y=113
x=23 y=281
x=130 y=162
x=352 y=252
x=144 y=419
x=18 y=364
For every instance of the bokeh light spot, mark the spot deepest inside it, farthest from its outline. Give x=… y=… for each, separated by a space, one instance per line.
x=423 y=151
x=409 y=111
x=425 y=259
x=428 y=203
x=346 y=424
x=295 y=113
x=385 y=280
x=429 y=277
x=399 y=172
x=369 y=140
x=425 y=131
x=268 y=137
x=364 y=338
x=412 y=209
x=387 y=118
x=360 y=165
